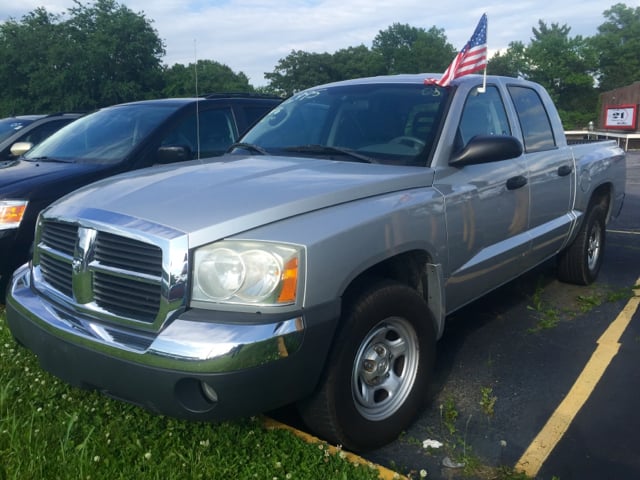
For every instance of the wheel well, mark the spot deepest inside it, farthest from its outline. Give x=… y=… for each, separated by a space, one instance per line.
x=602 y=196
x=408 y=268
x=413 y=269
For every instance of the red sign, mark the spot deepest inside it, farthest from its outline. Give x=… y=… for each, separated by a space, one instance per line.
x=621 y=117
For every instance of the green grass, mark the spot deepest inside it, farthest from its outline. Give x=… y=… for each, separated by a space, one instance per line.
x=53 y=431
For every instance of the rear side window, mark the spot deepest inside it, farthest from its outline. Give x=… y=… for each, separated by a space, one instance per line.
x=533 y=118
x=41 y=132
x=216 y=132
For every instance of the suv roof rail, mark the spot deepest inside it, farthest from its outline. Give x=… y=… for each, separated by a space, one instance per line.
x=240 y=95
x=59 y=114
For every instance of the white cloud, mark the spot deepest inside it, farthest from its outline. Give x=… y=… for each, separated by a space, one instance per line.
x=253 y=35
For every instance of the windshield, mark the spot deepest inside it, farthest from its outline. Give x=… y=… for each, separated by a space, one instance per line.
x=106 y=136
x=379 y=123
x=9 y=126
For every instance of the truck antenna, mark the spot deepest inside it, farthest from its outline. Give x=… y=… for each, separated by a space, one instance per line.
x=195 y=68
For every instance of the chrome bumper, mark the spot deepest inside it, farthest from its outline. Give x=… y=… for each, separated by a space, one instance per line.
x=185 y=345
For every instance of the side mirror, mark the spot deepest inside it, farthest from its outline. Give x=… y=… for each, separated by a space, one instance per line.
x=487 y=148
x=172 y=154
x=20 y=148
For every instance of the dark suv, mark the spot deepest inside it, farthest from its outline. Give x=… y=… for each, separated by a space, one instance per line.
x=30 y=129
x=109 y=141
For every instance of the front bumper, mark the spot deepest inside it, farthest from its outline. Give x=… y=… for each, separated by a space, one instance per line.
x=249 y=367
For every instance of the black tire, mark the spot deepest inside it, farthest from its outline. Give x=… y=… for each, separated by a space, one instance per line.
x=377 y=376
x=581 y=261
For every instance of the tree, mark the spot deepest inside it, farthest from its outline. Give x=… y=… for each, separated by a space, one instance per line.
x=566 y=67
x=300 y=70
x=206 y=76
x=512 y=63
x=119 y=53
x=356 y=62
x=618 y=44
x=406 y=49
x=102 y=54
x=30 y=63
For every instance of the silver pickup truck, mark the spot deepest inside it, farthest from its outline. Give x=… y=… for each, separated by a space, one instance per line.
x=318 y=261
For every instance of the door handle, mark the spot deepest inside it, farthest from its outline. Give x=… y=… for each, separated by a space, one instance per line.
x=516 y=182
x=565 y=170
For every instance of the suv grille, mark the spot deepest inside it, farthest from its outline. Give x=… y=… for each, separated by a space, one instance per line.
x=124 y=274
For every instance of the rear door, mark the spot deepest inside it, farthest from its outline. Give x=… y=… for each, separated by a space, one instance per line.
x=551 y=173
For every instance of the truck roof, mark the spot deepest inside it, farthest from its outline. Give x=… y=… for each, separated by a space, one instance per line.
x=418 y=78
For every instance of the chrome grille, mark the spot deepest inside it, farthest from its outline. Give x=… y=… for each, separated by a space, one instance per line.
x=117 y=275
x=57 y=273
x=60 y=236
x=125 y=253
x=127 y=297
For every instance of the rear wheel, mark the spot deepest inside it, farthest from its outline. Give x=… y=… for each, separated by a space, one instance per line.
x=377 y=376
x=581 y=261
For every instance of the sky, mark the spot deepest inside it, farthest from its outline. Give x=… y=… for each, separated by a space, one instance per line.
x=251 y=36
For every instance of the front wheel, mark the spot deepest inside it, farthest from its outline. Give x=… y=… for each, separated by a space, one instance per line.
x=580 y=262
x=377 y=376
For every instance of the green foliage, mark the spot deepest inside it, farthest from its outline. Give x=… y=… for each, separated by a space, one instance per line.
x=512 y=63
x=488 y=401
x=449 y=415
x=206 y=76
x=101 y=54
x=300 y=70
x=565 y=66
x=51 y=430
x=406 y=49
x=618 y=44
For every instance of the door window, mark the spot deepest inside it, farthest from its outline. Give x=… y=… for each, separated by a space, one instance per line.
x=483 y=114
x=534 y=121
x=216 y=133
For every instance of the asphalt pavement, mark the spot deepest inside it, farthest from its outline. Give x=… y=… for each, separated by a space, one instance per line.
x=515 y=384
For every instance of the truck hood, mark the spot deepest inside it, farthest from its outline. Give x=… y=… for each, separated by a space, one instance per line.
x=215 y=199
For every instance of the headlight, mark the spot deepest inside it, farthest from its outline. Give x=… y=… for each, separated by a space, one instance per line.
x=11 y=213
x=244 y=272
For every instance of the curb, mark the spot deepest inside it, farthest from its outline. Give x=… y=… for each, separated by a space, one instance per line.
x=383 y=472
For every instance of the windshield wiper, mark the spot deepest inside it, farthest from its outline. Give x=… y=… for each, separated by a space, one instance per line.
x=328 y=150
x=248 y=146
x=45 y=159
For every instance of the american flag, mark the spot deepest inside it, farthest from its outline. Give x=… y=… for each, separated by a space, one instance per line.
x=472 y=58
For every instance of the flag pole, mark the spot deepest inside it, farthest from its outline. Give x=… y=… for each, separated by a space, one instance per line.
x=484 y=75
x=484 y=82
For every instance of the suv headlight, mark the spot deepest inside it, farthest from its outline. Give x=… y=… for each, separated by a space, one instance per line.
x=247 y=272
x=11 y=213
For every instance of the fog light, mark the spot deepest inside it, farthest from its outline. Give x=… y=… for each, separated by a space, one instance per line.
x=209 y=392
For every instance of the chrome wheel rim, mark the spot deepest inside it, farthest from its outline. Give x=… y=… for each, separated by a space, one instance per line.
x=593 y=247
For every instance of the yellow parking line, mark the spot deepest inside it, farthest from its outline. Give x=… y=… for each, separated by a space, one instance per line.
x=608 y=345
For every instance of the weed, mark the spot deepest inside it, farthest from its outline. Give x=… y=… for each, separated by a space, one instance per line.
x=547 y=316
x=449 y=415
x=620 y=294
x=487 y=401
x=587 y=303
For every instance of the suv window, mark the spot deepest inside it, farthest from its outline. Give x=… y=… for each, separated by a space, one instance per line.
x=534 y=121
x=39 y=133
x=216 y=133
